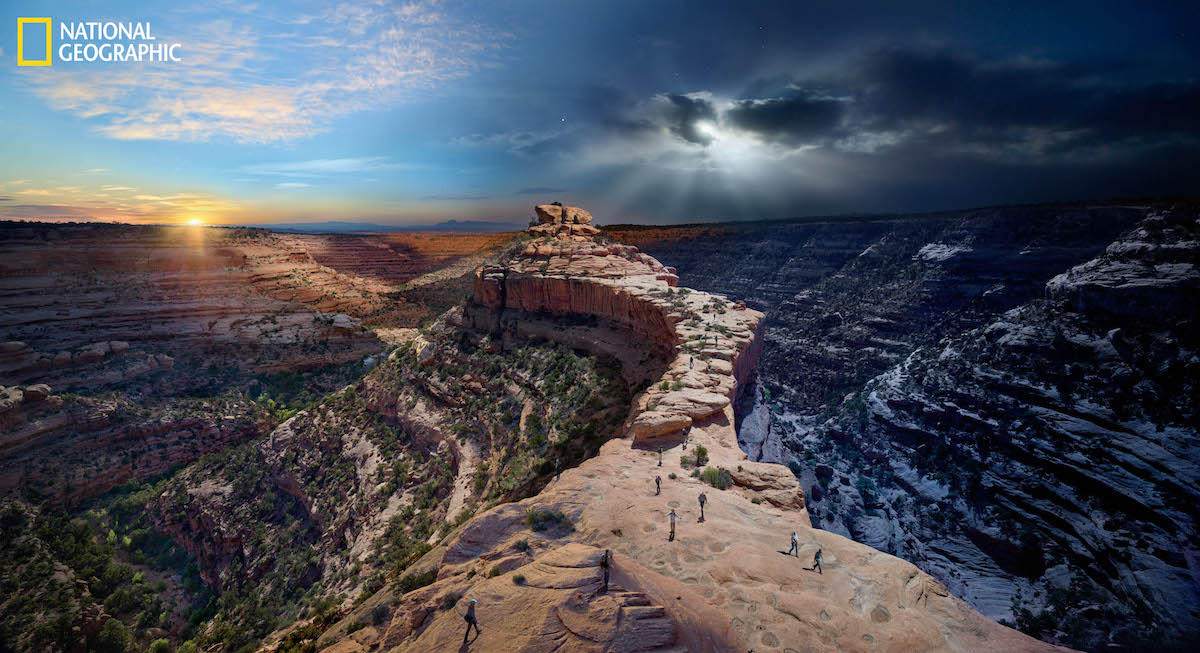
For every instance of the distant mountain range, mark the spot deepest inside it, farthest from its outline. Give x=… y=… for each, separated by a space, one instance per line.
x=342 y=226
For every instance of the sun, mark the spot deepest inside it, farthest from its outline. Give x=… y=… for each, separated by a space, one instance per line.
x=195 y=222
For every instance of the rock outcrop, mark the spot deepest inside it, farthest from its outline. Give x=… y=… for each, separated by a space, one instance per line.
x=724 y=582
x=975 y=392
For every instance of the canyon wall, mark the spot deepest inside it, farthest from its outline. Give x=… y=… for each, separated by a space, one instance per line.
x=975 y=391
x=725 y=580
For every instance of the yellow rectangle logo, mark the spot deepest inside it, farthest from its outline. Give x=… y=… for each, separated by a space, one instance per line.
x=21 y=60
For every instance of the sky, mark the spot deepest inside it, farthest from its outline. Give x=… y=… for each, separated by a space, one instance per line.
x=644 y=111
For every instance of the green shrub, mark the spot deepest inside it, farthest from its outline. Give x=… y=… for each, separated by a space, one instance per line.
x=672 y=476
x=411 y=582
x=159 y=646
x=701 y=455
x=519 y=579
x=449 y=601
x=355 y=626
x=540 y=520
x=114 y=637
x=756 y=500
x=379 y=613
x=522 y=546
x=717 y=477
x=495 y=571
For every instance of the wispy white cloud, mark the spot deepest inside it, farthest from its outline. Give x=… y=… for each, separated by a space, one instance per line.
x=321 y=167
x=289 y=185
x=244 y=81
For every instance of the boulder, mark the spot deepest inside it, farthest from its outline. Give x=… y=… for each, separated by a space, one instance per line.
x=653 y=423
x=37 y=392
x=12 y=347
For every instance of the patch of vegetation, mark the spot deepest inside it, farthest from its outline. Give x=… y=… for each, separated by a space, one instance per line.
x=412 y=582
x=717 y=477
x=542 y=520
x=698 y=457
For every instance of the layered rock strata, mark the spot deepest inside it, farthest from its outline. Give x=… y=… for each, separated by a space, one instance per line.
x=719 y=583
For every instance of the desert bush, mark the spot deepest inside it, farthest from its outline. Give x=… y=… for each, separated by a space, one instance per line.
x=411 y=582
x=519 y=579
x=717 y=477
x=541 y=520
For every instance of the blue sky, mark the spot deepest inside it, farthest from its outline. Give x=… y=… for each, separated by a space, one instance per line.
x=416 y=112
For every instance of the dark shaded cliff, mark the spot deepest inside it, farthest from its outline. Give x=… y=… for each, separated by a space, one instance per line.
x=997 y=395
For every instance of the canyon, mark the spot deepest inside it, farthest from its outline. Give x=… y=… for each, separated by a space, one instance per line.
x=177 y=317
x=994 y=395
x=723 y=584
x=975 y=416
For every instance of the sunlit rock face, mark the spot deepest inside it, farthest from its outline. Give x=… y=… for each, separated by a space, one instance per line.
x=723 y=583
x=996 y=395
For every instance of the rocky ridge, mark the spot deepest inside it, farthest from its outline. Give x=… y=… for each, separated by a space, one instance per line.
x=947 y=390
x=725 y=583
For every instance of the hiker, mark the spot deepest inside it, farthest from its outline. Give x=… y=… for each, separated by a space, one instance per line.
x=795 y=545
x=470 y=618
x=692 y=362
x=703 y=500
x=657 y=485
x=557 y=469
x=817 y=562
x=660 y=455
x=604 y=563
x=672 y=516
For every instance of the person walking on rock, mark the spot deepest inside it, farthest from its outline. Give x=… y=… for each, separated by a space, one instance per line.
x=795 y=545
x=660 y=456
x=703 y=500
x=692 y=362
x=657 y=485
x=604 y=563
x=817 y=562
x=673 y=516
x=470 y=618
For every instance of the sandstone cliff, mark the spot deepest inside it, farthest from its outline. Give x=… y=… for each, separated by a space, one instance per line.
x=724 y=582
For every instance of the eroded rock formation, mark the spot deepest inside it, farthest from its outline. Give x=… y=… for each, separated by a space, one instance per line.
x=722 y=583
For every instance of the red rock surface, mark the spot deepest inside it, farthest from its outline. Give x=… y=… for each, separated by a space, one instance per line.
x=722 y=584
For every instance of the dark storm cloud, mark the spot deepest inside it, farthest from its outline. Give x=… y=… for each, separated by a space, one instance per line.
x=684 y=113
x=971 y=101
x=950 y=102
x=799 y=118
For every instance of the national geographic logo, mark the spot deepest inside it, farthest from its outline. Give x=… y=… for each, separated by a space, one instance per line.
x=90 y=41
